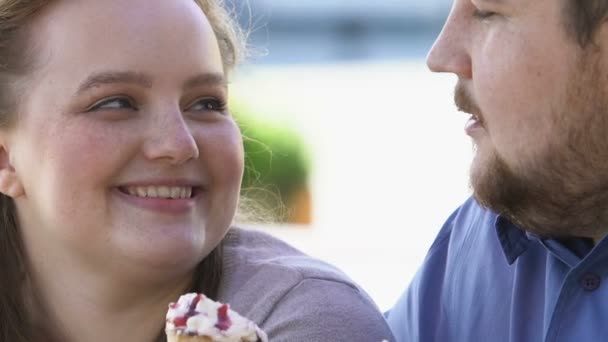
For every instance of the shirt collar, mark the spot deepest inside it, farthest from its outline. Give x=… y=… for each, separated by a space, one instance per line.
x=514 y=240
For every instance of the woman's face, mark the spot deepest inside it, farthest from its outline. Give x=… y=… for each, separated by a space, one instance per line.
x=124 y=147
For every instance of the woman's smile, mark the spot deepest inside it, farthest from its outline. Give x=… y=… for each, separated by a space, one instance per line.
x=168 y=196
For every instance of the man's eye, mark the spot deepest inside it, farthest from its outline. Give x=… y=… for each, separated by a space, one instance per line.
x=113 y=103
x=480 y=14
x=208 y=104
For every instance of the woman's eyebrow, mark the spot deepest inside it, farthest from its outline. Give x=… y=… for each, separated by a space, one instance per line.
x=206 y=79
x=108 y=77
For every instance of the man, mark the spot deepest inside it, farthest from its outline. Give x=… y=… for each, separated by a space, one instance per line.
x=525 y=259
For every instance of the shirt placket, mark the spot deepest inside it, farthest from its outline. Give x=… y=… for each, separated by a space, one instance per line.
x=580 y=286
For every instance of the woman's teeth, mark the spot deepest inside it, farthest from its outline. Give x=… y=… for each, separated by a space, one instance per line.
x=174 y=192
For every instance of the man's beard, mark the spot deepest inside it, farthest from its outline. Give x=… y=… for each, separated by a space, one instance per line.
x=563 y=191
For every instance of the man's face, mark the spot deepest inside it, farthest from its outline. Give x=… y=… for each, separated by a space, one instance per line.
x=538 y=104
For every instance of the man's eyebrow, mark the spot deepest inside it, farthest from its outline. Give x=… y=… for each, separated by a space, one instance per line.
x=206 y=79
x=110 y=77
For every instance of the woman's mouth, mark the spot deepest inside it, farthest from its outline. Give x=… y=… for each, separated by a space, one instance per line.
x=166 y=192
x=164 y=199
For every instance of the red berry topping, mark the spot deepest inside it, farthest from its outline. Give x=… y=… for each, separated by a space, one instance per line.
x=223 y=321
x=180 y=321
x=192 y=309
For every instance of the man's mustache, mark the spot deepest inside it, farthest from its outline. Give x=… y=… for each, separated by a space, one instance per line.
x=465 y=102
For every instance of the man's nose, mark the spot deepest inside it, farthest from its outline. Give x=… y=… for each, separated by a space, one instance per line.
x=450 y=52
x=170 y=139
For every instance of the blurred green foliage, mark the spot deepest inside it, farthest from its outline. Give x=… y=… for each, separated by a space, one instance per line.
x=277 y=161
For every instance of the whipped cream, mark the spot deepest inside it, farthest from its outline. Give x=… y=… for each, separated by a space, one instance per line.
x=196 y=315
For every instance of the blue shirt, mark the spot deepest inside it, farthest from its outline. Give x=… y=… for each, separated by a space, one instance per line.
x=484 y=279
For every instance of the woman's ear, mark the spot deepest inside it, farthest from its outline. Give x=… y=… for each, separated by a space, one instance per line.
x=10 y=184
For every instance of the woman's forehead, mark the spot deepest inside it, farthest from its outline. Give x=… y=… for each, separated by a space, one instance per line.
x=103 y=19
x=85 y=36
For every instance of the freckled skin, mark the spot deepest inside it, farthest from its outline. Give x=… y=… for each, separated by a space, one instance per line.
x=71 y=159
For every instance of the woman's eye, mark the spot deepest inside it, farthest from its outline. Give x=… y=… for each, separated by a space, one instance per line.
x=208 y=104
x=480 y=14
x=113 y=103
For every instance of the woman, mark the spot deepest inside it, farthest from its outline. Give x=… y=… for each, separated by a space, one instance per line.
x=120 y=170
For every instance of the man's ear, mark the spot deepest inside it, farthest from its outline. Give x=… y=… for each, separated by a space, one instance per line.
x=10 y=184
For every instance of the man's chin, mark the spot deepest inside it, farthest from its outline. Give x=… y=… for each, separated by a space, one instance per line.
x=496 y=187
x=536 y=203
x=485 y=171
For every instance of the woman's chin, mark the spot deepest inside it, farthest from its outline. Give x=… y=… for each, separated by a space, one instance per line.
x=163 y=259
x=161 y=249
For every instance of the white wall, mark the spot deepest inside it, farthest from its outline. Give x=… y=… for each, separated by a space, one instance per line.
x=390 y=161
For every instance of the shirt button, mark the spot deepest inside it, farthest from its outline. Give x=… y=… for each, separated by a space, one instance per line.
x=590 y=281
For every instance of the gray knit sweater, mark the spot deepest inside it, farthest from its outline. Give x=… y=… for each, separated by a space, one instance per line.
x=294 y=297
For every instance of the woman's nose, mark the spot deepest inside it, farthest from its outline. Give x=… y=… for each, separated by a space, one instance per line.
x=170 y=139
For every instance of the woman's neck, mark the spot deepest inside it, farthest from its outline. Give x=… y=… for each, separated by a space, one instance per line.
x=101 y=308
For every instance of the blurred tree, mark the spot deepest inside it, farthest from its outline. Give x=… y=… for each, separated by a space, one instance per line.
x=277 y=167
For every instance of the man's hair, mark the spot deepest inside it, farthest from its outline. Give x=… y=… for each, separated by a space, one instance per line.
x=584 y=18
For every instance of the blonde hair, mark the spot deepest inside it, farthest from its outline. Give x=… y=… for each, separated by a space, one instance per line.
x=229 y=34
x=16 y=60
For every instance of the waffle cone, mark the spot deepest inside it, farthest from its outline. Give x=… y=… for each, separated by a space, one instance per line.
x=172 y=337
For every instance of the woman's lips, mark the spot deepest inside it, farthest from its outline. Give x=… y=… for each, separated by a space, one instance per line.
x=160 y=202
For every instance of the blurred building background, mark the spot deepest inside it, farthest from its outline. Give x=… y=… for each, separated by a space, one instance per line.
x=322 y=31
x=357 y=137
